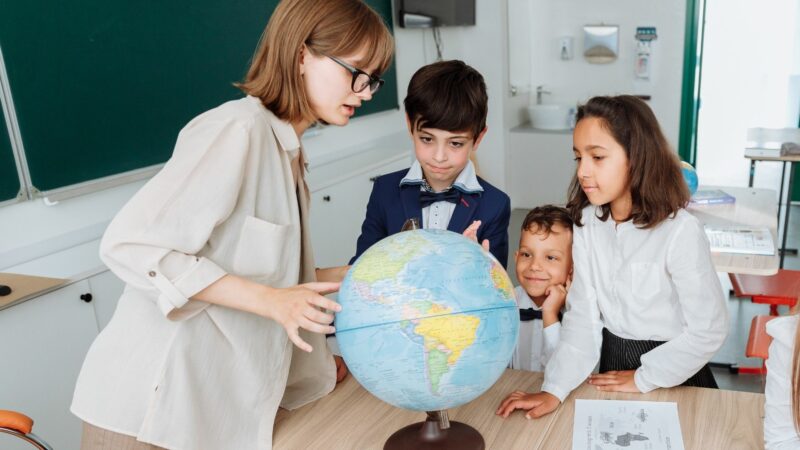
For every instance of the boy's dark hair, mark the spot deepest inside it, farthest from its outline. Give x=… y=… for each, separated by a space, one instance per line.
x=542 y=218
x=656 y=184
x=447 y=95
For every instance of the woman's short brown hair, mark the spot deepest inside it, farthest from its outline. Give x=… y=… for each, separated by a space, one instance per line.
x=330 y=27
x=656 y=183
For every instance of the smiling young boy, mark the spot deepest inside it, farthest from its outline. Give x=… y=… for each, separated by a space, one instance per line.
x=544 y=269
x=446 y=107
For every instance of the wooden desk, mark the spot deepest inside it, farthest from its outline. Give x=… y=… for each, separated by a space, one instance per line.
x=753 y=208
x=351 y=418
x=769 y=154
x=24 y=287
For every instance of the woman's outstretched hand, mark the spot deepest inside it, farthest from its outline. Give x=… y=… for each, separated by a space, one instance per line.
x=301 y=307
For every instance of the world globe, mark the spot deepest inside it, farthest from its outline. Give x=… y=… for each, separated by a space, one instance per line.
x=690 y=176
x=428 y=321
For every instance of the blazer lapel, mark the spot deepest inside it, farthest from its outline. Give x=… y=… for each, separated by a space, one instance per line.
x=465 y=211
x=409 y=196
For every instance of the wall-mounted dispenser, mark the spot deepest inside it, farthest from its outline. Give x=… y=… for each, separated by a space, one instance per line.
x=600 y=43
x=565 y=47
x=644 y=38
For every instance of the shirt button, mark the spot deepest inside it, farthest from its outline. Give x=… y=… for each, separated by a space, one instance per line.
x=151 y=273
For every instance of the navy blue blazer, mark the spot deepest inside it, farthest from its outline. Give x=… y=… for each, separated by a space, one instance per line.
x=390 y=205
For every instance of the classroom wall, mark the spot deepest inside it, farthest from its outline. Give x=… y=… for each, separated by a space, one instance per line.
x=31 y=228
x=576 y=80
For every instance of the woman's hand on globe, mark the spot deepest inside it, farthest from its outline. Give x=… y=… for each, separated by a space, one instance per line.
x=536 y=405
x=299 y=307
x=471 y=233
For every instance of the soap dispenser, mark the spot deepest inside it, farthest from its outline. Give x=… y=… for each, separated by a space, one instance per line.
x=565 y=47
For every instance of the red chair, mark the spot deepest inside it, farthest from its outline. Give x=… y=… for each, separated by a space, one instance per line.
x=758 y=344
x=20 y=425
x=783 y=288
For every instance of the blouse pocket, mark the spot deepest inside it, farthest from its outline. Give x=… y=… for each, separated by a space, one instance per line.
x=645 y=280
x=263 y=249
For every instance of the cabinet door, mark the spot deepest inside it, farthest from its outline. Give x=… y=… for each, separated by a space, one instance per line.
x=337 y=213
x=106 y=289
x=541 y=166
x=44 y=343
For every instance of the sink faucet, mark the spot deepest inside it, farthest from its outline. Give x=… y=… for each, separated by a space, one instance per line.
x=539 y=91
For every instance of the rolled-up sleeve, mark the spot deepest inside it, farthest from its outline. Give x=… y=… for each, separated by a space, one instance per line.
x=702 y=305
x=152 y=243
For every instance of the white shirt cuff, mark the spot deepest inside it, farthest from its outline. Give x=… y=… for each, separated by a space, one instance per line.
x=174 y=295
x=555 y=390
x=643 y=385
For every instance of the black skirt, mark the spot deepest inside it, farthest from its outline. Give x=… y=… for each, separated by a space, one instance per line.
x=625 y=354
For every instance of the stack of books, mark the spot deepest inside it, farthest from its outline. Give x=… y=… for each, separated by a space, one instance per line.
x=711 y=197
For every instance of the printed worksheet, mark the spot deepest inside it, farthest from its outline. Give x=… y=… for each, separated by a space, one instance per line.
x=752 y=241
x=626 y=425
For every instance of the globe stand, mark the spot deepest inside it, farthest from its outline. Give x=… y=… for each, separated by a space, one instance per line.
x=437 y=432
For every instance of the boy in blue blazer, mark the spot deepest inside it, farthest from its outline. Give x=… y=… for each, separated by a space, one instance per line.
x=446 y=107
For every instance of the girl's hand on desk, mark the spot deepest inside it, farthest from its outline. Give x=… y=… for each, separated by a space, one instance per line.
x=299 y=307
x=615 y=381
x=537 y=404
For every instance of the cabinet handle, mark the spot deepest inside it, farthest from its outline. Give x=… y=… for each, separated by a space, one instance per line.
x=326 y=198
x=86 y=297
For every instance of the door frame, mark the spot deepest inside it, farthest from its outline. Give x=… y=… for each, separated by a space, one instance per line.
x=692 y=76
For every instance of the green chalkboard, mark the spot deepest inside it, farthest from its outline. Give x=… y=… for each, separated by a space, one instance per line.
x=103 y=87
x=9 y=181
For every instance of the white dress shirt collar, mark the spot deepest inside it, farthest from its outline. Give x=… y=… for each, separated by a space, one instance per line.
x=467 y=180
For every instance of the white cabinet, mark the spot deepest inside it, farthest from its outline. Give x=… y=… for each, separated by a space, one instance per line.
x=44 y=343
x=338 y=209
x=541 y=167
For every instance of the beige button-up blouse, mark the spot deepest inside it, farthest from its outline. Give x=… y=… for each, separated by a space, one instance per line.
x=181 y=373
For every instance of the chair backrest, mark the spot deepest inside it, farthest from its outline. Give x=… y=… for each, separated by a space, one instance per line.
x=20 y=425
x=771 y=138
x=758 y=341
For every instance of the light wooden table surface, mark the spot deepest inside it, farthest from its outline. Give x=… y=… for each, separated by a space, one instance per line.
x=351 y=418
x=753 y=208
x=26 y=286
x=763 y=154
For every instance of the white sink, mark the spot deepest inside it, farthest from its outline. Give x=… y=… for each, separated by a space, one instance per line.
x=550 y=116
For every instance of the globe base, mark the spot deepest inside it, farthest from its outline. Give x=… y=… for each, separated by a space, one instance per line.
x=429 y=435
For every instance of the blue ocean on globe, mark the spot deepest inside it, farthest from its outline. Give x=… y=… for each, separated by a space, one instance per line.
x=428 y=321
x=690 y=176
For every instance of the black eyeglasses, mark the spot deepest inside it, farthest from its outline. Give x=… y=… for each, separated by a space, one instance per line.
x=361 y=79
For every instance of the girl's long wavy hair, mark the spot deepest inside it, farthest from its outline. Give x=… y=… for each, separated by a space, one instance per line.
x=655 y=180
